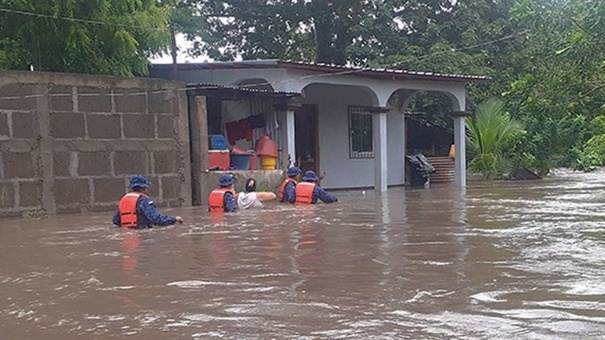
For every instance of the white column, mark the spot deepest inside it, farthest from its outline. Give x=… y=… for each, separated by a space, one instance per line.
x=460 y=147
x=290 y=150
x=379 y=132
x=404 y=137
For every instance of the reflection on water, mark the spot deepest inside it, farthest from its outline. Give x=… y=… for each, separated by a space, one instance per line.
x=495 y=261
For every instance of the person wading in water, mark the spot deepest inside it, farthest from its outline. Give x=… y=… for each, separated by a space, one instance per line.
x=222 y=199
x=136 y=210
x=287 y=189
x=308 y=192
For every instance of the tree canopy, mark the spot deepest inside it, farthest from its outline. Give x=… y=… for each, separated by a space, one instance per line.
x=86 y=36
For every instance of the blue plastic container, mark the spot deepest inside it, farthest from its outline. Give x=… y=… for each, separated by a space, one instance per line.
x=218 y=142
x=240 y=161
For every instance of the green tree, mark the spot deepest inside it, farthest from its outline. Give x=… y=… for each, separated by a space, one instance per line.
x=491 y=134
x=559 y=89
x=85 y=36
x=336 y=31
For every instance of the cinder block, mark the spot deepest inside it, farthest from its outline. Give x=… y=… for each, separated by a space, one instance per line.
x=109 y=189
x=7 y=195
x=61 y=98
x=131 y=100
x=165 y=162
x=139 y=126
x=130 y=162
x=24 y=125
x=67 y=125
x=171 y=187
x=18 y=165
x=18 y=97
x=4 y=131
x=166 y=126
x=71 y=191
x=103 y=126
x=164 y=102
x=94 y=163
x=61 y=163
x=154 y=190
x=30 y=194
x=94 y=99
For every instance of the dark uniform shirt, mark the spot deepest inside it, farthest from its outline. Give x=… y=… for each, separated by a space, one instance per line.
x=229 y=202
x=289 y=192
x=148 y=215
x=320 y=193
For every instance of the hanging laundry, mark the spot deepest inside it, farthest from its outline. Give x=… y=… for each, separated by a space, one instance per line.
x=246 y=129
x=257 y=121
x=234 y=132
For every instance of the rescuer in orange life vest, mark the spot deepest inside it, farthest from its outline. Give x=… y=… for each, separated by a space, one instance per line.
x=307 y=191
x=222 y=199
x=287 y=189
x=136 y=210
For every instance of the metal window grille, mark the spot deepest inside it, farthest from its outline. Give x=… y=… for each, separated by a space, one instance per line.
x=360 y=133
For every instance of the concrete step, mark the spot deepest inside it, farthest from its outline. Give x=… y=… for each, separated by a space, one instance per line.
x=444 y=169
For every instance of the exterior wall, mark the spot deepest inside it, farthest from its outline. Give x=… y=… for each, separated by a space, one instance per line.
x=69 y=142
x=342 y=171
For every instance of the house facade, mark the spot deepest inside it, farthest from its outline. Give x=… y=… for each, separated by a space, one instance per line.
x=347 y=123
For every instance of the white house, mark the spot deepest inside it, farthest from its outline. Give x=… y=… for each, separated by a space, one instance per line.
x=347 y=122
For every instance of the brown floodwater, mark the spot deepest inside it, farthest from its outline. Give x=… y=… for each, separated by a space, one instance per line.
x=502 y=260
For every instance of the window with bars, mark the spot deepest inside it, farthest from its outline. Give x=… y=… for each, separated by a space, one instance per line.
x=360 y=132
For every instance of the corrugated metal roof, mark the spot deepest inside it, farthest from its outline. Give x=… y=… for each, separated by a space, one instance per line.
x=331 y=69
x=242 y=88
x=378 y=72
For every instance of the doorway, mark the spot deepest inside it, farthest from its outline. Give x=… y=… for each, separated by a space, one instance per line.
x=306 y=132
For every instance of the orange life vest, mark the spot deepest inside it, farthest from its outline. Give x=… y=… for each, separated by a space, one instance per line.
x=216 y=200
x=128 y=210
x=282 y=188
x=304 y=192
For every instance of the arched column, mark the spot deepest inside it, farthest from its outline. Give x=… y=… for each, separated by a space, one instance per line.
x=460 y=146
x=379 y=133
x=459 y=115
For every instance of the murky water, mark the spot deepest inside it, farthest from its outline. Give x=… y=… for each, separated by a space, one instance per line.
x=515 y=260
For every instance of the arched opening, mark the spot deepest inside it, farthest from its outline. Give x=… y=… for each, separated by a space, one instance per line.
x=428 y=131
x=429 y=126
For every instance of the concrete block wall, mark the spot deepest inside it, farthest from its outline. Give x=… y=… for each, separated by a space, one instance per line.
x=68 y=143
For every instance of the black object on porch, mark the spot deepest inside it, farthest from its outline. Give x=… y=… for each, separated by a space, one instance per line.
x=418 y=170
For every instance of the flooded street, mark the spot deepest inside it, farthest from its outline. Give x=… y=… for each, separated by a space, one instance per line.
x=505 y=260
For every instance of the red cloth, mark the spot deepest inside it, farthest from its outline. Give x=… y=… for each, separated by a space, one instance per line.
x=234 y=132
x=246 y=129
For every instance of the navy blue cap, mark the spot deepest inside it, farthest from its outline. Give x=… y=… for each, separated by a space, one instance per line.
x=310 y=176
x=226 y=180
x=293 y=171
x=138 y=181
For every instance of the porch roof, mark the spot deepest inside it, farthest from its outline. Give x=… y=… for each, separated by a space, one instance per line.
x=377 y=73
x=238 y=92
